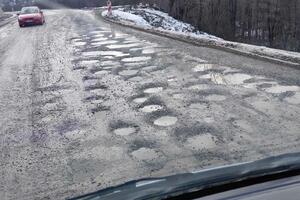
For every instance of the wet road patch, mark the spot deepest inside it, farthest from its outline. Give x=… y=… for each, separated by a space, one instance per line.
x=95 y=87
x=165 y=121
x=151 y=108
x=153 y=90
x=183 y=133
x=200 y=142
x=136 y=59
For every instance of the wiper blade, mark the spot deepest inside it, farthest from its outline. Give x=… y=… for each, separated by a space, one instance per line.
x=160 y=188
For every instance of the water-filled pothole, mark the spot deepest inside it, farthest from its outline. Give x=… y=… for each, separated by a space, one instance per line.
x=128 y=72
x=140 y=100
x=151 y=108
x=145 y=154
x=202 y=67
x=215 y=97
x=153 y=90
x=120 y=46
x=202 y=141
x=125 y=131
x=136 y=59
x=166 y=121
x=280 y=89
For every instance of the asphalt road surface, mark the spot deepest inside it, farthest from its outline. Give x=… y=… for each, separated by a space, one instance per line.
x=86 y=105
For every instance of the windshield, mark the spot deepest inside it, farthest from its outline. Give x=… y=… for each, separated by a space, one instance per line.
x=29 y=10
x=94 y=94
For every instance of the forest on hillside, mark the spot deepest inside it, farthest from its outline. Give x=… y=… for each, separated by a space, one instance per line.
x=273 y=23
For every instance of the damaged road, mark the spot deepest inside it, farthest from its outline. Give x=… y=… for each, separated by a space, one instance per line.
x=86 y=105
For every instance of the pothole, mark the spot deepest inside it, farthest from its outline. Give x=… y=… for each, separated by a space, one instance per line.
x=202 y=141
x=280 y=89
x=148 y=51
x=136 y=59
x=145 y=154
x=99 y=39
x=121 y=46
x=125 y=131
x=136 y=79
x=104 y=53
x=89 y=62
x=166 y=121
x=140 y=100
x=237 y=79
x=135 y=64
x=102 y=72
x=128 y=72
x=150 y=68
x=153 y=90
x=215 y=97
x=104 y=43
x=202 y=67
x=151 y=108
x=295 y=99
x=79 y=43
x=199 y=87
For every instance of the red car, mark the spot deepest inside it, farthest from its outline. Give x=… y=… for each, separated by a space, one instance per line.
x=31 y=16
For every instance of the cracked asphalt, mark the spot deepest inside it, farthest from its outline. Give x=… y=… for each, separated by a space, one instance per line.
x=86 y=105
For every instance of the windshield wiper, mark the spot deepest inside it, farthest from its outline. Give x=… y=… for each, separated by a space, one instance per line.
x=203 y=180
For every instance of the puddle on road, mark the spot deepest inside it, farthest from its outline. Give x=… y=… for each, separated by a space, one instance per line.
x=145 y=154
x=125 y=131
x=151 y=108
x=166 y=121
x=189 y=58
x=215 y=97
x=128 y=72
x=150 y=68
x=102 y=72
x=89 y=62
x=79 y=43
x=96 y=32
x=179 y=96
x=140 y=100
x=99 y=35
x=153 y=90
x=136 y=59
x=202 y=67
x=199 y=87
x=148 y=51
x=280 y=89
x=136 y=49
x=237 y=79
x=136 y=79
x=121 y=46
x=103 y=43
x=104 y=53
x=110 y=63
x=203 y=141
x=295 y=99
x=135 y=64
x=99 y=39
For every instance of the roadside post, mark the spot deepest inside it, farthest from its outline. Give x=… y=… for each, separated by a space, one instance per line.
x=109 y=8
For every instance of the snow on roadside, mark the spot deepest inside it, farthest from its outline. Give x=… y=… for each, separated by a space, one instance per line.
x=125 y=16
x=149 y=18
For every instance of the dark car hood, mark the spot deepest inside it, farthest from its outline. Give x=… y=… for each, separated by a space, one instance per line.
x=157 y=188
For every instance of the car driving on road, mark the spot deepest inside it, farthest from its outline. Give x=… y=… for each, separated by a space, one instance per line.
x=31 y=16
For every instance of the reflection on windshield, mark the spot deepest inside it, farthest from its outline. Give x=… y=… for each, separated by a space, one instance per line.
x=29 y=10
